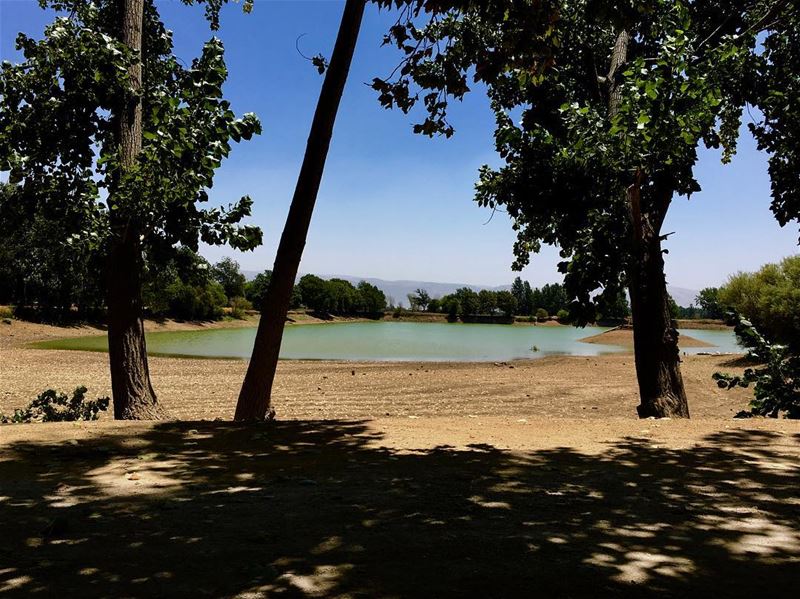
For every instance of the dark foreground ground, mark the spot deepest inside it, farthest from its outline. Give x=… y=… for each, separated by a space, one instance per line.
x=394 y=507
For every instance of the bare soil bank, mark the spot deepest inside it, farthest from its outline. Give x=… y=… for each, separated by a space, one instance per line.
x=624 y=338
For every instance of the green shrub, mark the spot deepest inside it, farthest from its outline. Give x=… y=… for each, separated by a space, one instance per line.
x=542 y=315
x=239 y=306
x=6 y=312
x=51 y=406
x=563 y=315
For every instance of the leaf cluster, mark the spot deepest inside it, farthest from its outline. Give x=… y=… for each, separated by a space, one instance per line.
x=776 y=382
x=52 y=406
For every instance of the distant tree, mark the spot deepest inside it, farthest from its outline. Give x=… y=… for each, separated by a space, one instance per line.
x=518 y=291
x=371 y=299
x=315 y=294
x=708 y=302
x=467 y=300
x=43 y=269
x=412 y=302
x=506 y=302
x=451 y=306
x=674 y=308
x=526 y=306
x=541 y=314
x=344 y=297
x=434 y=305
x=487 y=301
x=553 y=298
x=226 y=272
x=422 y=299
x=256 y=290
x=769 y=299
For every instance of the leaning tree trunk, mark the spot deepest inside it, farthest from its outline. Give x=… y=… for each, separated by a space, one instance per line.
x=655 y=338
x=255 y=395
x=134 y=397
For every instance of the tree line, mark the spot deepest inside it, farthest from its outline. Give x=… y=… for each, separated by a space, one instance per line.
x=551 y=300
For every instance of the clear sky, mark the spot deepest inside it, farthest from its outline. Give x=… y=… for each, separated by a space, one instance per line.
x=395 y=205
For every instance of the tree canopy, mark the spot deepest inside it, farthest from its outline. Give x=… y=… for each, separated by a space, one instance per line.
x=689 y=69
x=57 y=138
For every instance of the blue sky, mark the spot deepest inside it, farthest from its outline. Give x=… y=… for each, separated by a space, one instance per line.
x=396 y=205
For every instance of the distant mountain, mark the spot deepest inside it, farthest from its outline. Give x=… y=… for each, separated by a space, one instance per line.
x=398 y=290
x=682 y=296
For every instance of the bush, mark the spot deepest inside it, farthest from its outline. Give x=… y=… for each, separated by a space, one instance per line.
x=51 y=406
x=239 y=306
x=6 y=312
x=770 y=299
x=776 y=381
x=542 y=315
x=563 y=315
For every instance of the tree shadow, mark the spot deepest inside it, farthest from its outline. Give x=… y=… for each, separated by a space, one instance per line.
x=322 y=508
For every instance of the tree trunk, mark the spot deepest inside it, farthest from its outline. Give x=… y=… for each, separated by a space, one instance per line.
x=655 y=338
x=254 y=397
x=134 y=397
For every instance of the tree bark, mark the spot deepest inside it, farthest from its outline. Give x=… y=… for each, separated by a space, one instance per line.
x=134 y=397
x=255 y=395
x=655 y=338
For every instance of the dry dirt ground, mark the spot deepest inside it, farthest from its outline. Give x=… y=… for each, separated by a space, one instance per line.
x=485 y=480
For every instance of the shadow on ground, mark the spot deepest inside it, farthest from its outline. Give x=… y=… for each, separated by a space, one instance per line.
x=321 y=508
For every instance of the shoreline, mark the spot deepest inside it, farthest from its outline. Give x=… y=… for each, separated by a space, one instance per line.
x=557 y=386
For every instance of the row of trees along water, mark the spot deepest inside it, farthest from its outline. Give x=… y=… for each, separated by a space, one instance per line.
x=600 y=111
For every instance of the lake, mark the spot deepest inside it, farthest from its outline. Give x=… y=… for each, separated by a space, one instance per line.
x=392 y=341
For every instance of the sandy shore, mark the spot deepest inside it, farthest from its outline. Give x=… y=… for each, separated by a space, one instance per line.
x=559 y=386
x=624 y=338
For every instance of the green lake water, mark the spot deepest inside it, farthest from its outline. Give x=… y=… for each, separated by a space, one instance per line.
x=392 y=341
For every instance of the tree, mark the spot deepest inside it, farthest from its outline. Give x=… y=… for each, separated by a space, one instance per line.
x=506 y=303
x=468 y=300
x=708 y=302
x=419 y=300
x=553 y=297
x=256 y=290
x=255 y=395
x=41 y=268
x=769 y=299
x=102 y=125
x=487 y=301
x=526 y=306
x=599 y=145
x=314 y=294
x=371 y=299
x=226 y=272
x=519 y=292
